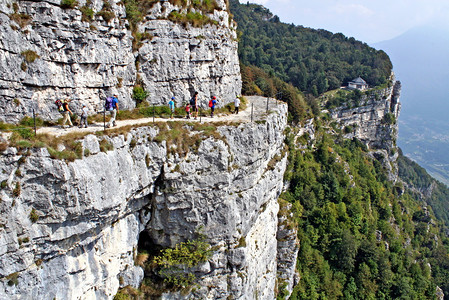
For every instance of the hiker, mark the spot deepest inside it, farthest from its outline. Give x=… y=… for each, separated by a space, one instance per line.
x=112 y=106
x=188 y=111
x=171 y=105
x=59 y=104
x=194 y=104
x=212 y=103
x=66 y=113
x=84 y=112
x=236 y=105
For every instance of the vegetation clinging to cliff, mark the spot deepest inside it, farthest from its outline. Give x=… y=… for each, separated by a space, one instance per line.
x=173 y=263
x=195 y=11
x=257 y=82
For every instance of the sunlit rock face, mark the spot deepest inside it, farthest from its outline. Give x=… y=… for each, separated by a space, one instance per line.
x=374 y=122
x=71 y=229
x=49 y=53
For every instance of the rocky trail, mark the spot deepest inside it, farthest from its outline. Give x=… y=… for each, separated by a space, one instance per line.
x=256 y=104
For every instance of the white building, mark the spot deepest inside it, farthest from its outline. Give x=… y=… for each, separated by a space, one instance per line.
x=358 y=83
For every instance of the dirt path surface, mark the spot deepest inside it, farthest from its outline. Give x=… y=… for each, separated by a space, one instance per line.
x=256 y=104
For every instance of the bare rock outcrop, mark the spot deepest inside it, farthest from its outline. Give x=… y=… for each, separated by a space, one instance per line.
x=51 y=52
x=70 y=230
x=374 y=122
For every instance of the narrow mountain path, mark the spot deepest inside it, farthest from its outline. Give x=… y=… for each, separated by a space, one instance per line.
x=256 y=105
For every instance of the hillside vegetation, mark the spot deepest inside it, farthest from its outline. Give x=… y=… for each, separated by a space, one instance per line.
x=361 y=236
x=312 y=60
x=425 y=187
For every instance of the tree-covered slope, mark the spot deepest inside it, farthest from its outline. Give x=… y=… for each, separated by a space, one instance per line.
x=312 y=60
x=425 y=187
x=361 y=236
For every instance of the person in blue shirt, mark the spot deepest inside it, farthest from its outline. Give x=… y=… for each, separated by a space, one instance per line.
x=212 y=103
x=171 y=105
x=112 y=106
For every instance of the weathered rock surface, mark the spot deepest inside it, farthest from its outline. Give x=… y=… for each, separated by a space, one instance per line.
x=288 y=246
x=49 y=53
x=368 y=118
x=374 y=122
x=92 y=211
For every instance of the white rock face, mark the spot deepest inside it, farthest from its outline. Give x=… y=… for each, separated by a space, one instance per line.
x=92 y=211
x=88 y=61
x=368 y=119
x=374 y=122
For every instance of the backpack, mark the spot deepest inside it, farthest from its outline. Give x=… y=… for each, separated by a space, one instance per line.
x=192 y=101
x=60 y=106
x=211 y=103
x=109 y=105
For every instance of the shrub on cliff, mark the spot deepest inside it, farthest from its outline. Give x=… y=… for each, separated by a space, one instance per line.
x=34 y=217
x=205 y=5
x=257 y=81
x=137 y=9
x=127 y=293
x=87 y=14
x=21 y=19
x=388 y=119
x=68 y=3
x=196 y=19
x=174 y=264
x=106 y=15
x=139 y=94
x=30 y=55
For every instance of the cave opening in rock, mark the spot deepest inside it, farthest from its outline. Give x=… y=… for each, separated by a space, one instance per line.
x=152 y=285
x=146 y=245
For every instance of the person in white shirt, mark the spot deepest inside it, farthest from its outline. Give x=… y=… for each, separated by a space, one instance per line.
x=237 y=105
x=84 y=112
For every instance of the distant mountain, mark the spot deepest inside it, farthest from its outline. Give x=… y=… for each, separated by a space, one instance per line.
x=421 y=61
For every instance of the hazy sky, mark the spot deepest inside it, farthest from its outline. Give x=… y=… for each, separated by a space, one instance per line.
x=367 y=20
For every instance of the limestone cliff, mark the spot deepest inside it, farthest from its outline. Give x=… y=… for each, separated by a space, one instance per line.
x=374 y=122
x=50 y=51
x=368 y=118
x=70 y=230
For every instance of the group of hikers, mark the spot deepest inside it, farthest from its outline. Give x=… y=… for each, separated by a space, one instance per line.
x=111 y=105
x=193 y=105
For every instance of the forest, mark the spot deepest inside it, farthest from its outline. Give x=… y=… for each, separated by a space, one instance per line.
x=312 y=60
x=362 y=237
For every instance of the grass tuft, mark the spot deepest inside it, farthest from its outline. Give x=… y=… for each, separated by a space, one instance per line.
x=33 y=216
x=141 y=259
x=21 y=19
x=17 y=190
x=105 y=145
x=29 y=55
x=87 y=14
x=68 y=3
x=13 y=279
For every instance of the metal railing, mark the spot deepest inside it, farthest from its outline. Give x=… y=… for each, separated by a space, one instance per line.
x=200 y=113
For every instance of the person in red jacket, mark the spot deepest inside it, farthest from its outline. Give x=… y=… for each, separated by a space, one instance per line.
x=212 y=103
